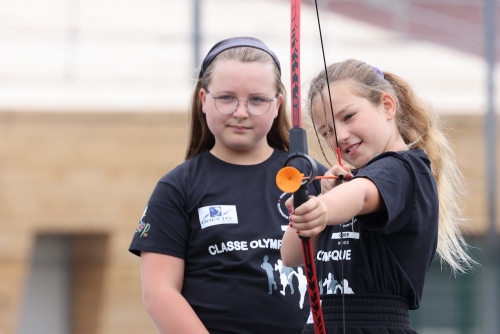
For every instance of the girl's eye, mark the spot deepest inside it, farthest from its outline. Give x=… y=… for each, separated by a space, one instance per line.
x=259 y=99
x=226 y=98
x=348 y=117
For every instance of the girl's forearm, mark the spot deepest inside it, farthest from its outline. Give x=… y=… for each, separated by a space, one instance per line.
x=356 y=197
x=291 y=248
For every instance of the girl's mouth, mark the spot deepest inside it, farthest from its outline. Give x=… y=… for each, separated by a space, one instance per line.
x=352 y=149
x=239 y=128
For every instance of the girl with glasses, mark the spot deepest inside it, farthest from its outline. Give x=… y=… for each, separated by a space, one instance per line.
x=210 y=236
x=377 y=232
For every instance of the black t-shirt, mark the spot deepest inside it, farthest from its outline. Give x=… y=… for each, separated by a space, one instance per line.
x=388 y=252
x=227 y=221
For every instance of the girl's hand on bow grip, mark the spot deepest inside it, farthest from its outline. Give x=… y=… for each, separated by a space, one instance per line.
x=329 y=184
x=310 y=218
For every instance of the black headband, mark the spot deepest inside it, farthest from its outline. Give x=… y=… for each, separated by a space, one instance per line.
x=234 y=43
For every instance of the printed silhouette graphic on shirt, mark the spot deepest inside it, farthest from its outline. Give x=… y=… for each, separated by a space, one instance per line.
x=302 y=284
x=331 y=284
x=270 y=277
x=286 y=279
x=284 y=273
x=347 y=289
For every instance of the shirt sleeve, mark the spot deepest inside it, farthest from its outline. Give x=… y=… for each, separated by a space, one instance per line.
x=394 y=181
x=164 y=226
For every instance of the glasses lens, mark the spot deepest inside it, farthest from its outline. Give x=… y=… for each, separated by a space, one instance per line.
x=259 y=105
x=226 y=103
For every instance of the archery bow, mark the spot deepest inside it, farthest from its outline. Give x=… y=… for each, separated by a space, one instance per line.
x=298 y=149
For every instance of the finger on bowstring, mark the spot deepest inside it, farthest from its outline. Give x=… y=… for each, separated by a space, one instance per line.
x=349 y=175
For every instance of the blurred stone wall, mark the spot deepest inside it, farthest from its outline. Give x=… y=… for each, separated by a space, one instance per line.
x=89 y=175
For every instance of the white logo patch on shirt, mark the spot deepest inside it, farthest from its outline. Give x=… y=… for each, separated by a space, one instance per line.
x=217 y=214
x=348 y=235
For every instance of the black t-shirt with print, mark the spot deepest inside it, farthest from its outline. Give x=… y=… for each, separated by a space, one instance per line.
x=389 y=252
x=227 y=221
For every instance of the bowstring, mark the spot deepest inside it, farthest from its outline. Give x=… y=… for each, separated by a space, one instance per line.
x=339 y=160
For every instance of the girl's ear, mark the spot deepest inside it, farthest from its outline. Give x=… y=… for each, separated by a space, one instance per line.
x=389 y=105
x=279 y=101
x=203 y=98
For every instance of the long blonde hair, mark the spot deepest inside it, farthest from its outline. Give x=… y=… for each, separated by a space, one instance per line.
x=200 y=137
x=421 y=129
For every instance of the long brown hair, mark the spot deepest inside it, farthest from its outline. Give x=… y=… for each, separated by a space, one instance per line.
x=420 y=128
x=201 y=139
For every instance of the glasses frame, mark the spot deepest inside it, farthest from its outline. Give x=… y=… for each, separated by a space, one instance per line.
x=215 y=97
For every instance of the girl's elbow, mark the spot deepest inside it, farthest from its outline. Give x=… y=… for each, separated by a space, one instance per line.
x=285 y=261
x=291 y=251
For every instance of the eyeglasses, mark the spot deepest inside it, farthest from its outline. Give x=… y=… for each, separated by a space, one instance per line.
x=257 y=105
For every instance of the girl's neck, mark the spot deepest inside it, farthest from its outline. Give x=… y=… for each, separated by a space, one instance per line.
x=252 y=157
x=396 y=144
x=398 y=147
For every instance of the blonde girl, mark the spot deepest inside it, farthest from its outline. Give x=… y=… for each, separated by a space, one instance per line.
x=378 y=230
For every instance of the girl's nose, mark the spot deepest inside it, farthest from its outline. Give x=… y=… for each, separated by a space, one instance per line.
x=342 y=133
x=241 y=110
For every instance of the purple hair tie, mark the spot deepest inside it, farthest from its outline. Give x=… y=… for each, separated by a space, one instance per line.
x=379 y=71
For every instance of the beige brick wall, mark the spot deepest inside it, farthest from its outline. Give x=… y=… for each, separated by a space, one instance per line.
x=90 y=175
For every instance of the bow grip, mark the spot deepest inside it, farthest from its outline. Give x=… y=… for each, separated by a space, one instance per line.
x=300 y=196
